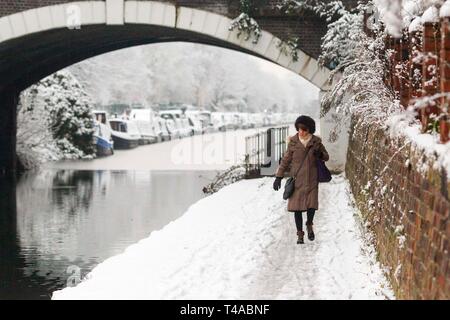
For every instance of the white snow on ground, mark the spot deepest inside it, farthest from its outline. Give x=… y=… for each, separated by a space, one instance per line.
x=240 y=243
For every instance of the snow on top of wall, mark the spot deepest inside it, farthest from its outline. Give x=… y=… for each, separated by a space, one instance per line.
x=390 y=14
x=416 y=25
x=413 y=7
x=431 y=15
x=445 y=9
x=398 y=15
x=411 y=10
x=404 y=125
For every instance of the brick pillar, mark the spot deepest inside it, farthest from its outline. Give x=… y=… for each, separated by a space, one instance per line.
x=415 y=59
x=405 y=83
x=396 y=59
x=444 y=121
x=8 y=124
x=430 y=71
x=389 y=45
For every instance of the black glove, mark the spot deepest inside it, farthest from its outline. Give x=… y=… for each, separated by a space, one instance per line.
x=317 y=153
x=277 y=183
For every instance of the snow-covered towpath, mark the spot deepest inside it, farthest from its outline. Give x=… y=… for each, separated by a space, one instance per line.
x=240 y=243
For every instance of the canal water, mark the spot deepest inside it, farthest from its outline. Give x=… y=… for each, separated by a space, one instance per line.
x=58 y=224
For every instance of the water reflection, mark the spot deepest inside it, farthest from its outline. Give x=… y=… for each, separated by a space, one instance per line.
x=56 y=219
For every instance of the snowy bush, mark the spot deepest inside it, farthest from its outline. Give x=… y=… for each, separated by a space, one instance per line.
x=361 y=88
x=229 y=176
x=54 y=121
x=245 y=23
x=290 y=47
x=338 y=44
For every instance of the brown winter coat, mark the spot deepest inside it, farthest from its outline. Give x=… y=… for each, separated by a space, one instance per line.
x=306 y=192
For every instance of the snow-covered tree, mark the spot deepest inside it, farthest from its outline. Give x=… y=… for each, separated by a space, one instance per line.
x=190 y=73
x=54 y=121
x=338 y=44
x=326 y=9
x=35 y=143
x=71 y=120
x=362 y=87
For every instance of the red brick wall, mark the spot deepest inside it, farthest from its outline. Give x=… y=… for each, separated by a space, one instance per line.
x=8 y=7
x=410 y=203
x=430 y=71
x=418 y=67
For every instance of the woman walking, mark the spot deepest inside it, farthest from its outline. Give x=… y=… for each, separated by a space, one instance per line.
x=301 y=157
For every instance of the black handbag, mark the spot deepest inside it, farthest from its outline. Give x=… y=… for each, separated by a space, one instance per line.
x=289 y=187
x=324 y=174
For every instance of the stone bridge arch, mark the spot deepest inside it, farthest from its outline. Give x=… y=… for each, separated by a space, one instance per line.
x=41 y=37
x=35 y=41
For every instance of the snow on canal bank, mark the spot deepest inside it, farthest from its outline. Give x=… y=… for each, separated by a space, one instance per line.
x=240 y=243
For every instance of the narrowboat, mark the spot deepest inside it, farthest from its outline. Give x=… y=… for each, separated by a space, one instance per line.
x=125 y=134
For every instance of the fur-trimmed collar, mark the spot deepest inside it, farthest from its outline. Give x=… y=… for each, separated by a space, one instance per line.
x=295 y=139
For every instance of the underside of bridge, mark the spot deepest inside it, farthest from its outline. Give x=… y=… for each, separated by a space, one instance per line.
x=28 y=59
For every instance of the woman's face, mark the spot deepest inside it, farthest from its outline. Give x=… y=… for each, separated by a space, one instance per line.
x=303 y=132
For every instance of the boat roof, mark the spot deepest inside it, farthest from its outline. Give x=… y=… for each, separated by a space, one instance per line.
x=117 y=120
x=176 y=111
x=142 y=110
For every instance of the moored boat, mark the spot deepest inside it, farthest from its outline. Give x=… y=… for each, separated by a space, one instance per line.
x=103 y=141
x=143 y=118
x=125 y=134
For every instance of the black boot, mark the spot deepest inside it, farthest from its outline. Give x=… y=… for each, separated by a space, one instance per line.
x=311 y=235
x=300 y=235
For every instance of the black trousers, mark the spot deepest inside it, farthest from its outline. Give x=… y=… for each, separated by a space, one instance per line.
x=299 y=218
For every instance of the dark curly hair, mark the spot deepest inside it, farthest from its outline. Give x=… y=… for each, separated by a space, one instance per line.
x=307 y=122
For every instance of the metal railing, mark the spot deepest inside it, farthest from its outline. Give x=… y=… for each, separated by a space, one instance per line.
x=264 y=150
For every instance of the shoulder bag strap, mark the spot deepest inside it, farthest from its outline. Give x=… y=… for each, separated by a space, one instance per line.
x=301 y=165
